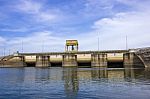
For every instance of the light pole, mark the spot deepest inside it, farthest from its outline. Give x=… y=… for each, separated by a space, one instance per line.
x=4 y=51
x=42 y=46
x=22 y=46
x=126 y=42
x=9 y=51
x=98 y=42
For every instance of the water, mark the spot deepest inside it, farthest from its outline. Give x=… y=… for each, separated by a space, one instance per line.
x=74 y=83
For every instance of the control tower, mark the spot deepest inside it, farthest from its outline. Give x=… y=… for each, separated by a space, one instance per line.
x=71 y=46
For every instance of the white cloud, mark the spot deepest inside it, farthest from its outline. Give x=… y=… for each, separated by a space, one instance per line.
x=133 y=24
x=29 y=6
x=2 y=40
x=14 y=29
x=112 y=33
x=35 y=42
x=97 y=8
x=37 y=11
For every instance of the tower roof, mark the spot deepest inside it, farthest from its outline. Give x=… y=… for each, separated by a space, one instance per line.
x=71 y=42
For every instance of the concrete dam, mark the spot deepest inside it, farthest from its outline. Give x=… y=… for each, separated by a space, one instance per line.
x=74 y=58
x=85 y=58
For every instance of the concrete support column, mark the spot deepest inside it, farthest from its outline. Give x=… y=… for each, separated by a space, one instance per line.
x=69 y=60
x=98 y=60
x=42 y=61
x=132 y=60
x=128 y=59
x=21 y=61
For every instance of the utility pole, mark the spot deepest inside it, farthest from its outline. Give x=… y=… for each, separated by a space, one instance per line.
x=22 y=46
x=126 y=42
x=98 y=41
x=4 y=51
x=42 y=46
x=9 y=51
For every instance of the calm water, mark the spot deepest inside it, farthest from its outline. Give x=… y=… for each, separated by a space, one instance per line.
x=74 y=83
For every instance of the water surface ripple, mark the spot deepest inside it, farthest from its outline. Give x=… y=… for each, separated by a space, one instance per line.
x=74 y=83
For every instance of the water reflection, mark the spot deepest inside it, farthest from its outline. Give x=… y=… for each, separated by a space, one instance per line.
x=42 y=74
x=98 y=73
x=74 y=83
x=71 y=82
x=132 y=74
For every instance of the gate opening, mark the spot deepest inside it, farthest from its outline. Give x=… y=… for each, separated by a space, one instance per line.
x=31 y=64
x=115 y=65
x=84 y=64
x=56 y=64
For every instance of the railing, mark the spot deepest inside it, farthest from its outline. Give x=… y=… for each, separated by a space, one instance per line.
x=79 y=52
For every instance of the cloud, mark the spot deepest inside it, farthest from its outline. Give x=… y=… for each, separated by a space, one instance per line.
x=35 y=42
x=2 y=40
x=133 y=24
x=14 y=29
x=112 y=30
x=97 y=8
x=37 y=11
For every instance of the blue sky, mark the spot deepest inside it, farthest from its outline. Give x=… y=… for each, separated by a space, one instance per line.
x=46 y=24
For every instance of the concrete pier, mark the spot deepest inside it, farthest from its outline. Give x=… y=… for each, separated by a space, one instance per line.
x=42 y=61
x=99 y=60
x=132 y=60
x=69 y=60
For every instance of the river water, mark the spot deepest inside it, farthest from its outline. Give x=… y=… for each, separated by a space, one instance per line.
x=74 y=83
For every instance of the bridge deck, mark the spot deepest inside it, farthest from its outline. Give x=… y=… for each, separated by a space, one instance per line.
x=79 y=52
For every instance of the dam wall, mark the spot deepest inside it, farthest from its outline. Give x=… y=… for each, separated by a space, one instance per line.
x=111 y=57
x=92 y=59
x=76 y=59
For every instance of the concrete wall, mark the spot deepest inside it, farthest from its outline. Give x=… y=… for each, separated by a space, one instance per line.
x=115 y=57
x=111 y=57
x=13 y=62
x=58 y=58
x=55 y=58
x=69 y=60
x=99 y=60
x=42 y=61
x=30 y=58
x=83 y=57
x=132 y=60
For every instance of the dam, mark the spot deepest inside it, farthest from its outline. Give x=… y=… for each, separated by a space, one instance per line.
x=139 y=57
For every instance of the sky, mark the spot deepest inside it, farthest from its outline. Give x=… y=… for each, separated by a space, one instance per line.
x=45 y=25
